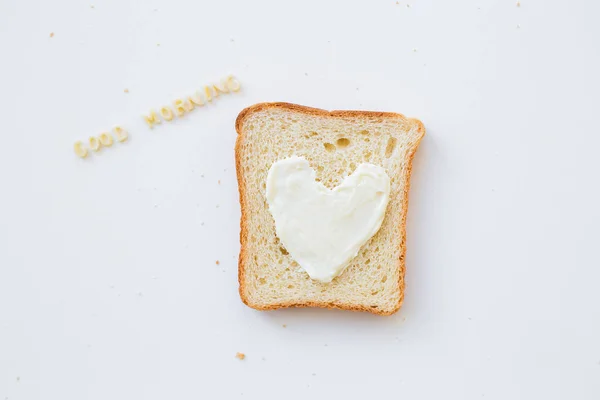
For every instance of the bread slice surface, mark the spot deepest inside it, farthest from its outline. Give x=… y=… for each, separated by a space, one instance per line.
x=334 y=143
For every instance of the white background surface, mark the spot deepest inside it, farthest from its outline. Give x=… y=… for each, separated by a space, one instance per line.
x=108 y=282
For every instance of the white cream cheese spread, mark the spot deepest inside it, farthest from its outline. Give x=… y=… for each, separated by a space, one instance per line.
x=323 y=229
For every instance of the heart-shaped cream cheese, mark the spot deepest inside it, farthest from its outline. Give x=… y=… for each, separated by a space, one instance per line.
x=323 y=229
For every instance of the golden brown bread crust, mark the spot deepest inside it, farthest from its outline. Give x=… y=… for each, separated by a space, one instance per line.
x=242 y=186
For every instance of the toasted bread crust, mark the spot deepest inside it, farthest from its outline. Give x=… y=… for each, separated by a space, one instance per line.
x=243 y=222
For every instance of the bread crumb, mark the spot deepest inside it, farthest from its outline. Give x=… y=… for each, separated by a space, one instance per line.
x=51 y=34
x=126 y=90
x=91 y=6
x=284 y=325
x=518 y=4
x=240 y=356
x=217 y=262
x=219 y=181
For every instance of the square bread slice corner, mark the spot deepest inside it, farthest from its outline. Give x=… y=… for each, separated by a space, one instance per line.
x=334 y=143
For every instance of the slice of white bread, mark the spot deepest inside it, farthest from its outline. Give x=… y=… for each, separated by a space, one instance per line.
x=334 y=143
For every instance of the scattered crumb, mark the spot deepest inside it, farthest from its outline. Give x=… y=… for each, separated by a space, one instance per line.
x=518 y=4
x=51 y=34
x=240 y=356
x=397 y=3
x=126 y=90
x=91 y=6
x=219 y=181
x=284 y=325
x=217 y=262
x=415 y=50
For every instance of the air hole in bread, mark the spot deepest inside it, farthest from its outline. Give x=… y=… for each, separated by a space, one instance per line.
x=342 y=143
x=283 y=251
x=364 y=132
x=262 y=281
x=312 y=134
x=368 y=156
x=384 y=279
x=290 y=286
x=368 y=261
x=352 y=166
x=391 y=145
x=329 y=147
x=374 y=292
